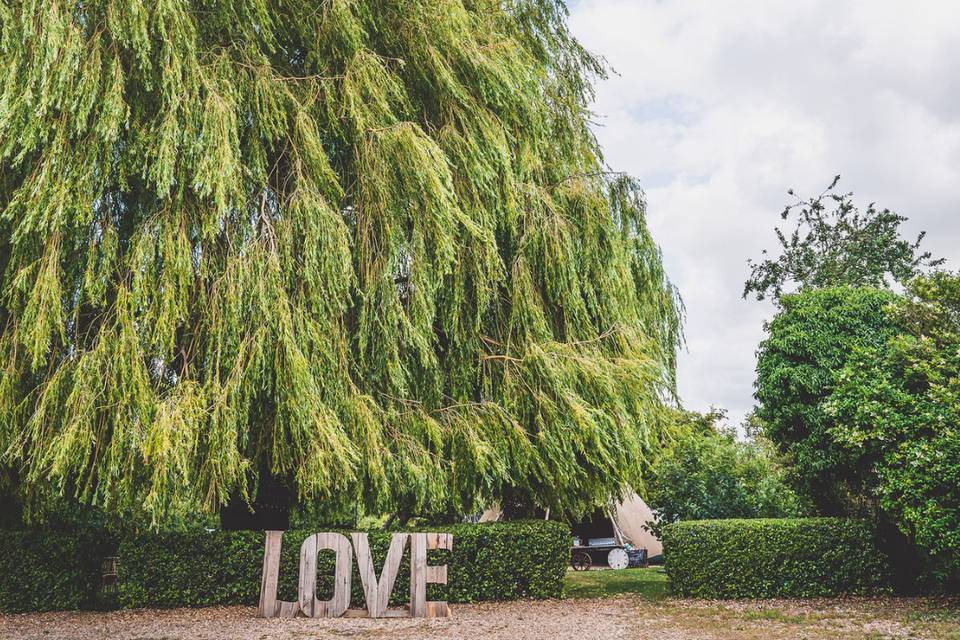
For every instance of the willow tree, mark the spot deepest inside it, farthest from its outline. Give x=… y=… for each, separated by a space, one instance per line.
x=367 y=246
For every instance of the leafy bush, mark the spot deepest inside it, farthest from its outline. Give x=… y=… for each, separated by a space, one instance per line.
x=708 y=473
x=496 y=561
x=859 y=387
x=897 y=407
x=48 y=570
x=765 y=558
x=798 y=367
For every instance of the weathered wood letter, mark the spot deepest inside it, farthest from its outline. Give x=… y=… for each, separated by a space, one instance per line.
x=377 y=592
x=270 y=607
x=335 y=606
x=421 y=574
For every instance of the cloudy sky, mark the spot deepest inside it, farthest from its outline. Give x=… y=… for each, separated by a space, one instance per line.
x=720 y=107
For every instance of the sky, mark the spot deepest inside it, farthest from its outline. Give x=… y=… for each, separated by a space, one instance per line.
x=719 y=108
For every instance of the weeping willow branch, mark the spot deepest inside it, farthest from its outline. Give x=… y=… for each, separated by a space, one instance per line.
x=371 y=247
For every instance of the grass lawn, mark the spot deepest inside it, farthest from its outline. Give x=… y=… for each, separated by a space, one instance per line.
x=649 y=584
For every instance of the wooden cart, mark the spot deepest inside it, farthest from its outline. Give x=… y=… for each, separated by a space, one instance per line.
x=615 y=556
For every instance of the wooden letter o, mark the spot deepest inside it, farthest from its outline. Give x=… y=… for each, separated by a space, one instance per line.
x=335 y=606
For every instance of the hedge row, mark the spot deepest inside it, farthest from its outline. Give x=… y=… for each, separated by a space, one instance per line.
x=45 y=570
x=495 y=561
x=799 y=557
x=51 y=570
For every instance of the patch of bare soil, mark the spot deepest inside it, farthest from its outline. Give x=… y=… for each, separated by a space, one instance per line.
x=627 y=617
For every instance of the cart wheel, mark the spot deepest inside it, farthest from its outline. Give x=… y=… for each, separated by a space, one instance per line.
x=618 y=559
x=581 y=561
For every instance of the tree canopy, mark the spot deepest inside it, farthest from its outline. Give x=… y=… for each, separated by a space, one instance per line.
x=369 y=246
x=834 y=243
x=896 y=407
x=799 y=365
x=707 y=473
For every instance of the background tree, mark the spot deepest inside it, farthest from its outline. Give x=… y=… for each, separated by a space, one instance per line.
x=708 y=473
x=854 y=382
x=799 y=365
x=834 y=243
x=365 y=247
x=896 y=409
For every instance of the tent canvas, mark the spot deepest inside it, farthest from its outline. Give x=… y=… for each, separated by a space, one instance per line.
x=630 y=516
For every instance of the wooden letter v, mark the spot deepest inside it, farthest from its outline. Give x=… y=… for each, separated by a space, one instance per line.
x=377 y=592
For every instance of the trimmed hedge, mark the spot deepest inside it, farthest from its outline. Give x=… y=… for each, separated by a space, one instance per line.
x=51 y=570
x=495 y=561
x=764 y=558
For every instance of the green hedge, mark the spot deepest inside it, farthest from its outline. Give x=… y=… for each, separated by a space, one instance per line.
x=764 y=558
x=44 y=570
x=495 y=561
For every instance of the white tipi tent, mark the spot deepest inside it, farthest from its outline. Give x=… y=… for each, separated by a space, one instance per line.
x=629 y=517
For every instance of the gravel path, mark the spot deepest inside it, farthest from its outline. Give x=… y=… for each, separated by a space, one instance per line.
x=626 y=617
x=557 y=620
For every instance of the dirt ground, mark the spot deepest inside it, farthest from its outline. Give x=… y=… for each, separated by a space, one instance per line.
x=626 y=617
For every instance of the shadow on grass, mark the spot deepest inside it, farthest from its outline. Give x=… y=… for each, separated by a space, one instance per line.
x=650 y=583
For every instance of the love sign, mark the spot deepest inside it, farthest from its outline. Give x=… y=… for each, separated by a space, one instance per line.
x=376 y=590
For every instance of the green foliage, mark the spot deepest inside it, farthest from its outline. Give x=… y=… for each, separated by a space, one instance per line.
x=496 y=561
x=896 y=408
x=708 y=474
x=801 y=557
x=51 y=569
x=843 y=246
x=193 y=568
x=810 y=340
x=368 y=245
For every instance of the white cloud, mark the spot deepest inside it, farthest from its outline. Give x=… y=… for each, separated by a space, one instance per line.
x=720 y=107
